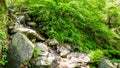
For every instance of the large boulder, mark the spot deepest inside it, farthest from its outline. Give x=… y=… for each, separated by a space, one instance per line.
x=21 y=50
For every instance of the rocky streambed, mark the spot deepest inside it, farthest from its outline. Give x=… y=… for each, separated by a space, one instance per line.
x=49 y=52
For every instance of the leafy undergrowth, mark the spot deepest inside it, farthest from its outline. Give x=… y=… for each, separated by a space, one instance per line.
x=82 y=23
x=3 y=45
x=3 y=37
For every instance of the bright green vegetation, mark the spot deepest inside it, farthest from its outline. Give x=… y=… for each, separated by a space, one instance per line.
x=82 y=23
x=96 y=55
x=72 y=22
x=36 y=52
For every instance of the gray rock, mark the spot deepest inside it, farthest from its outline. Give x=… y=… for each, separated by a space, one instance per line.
x=63 y=65
x=115 y=64
x=42 y=48
x=85 y=66
x=22 y=18
x=20 y=51
x=44 y=61
x=52 y=42
x=105 y=63
x=30 y=33
x=18 y=25
x=67 y=63
x=54 y=60
x=64 y=49
x=78 y=57
x=33 y=24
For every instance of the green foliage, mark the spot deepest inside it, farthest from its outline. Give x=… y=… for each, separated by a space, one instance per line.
x=112 y=53
x=3 y=37
x=115 y=60
x=78 y=22
x=113 y=15
x=1 y=9
x=96 y=55
x=36 y=52
x=1 y=13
